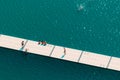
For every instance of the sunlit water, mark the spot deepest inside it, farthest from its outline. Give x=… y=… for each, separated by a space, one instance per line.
x=91 y=25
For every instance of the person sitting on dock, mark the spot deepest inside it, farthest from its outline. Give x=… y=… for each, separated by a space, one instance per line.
x=44 y=43
x=39 y=42
x=26 y=50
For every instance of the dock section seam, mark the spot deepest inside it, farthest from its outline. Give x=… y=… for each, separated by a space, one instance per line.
x=80 y=56
x=52 y=51
x=109 y=62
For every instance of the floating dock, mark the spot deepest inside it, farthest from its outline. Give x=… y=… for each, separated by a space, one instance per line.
x=59 y=52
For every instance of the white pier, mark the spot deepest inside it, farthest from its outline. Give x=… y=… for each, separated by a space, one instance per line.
x=11 y=42
x=33 y=47
x=59 y=52
x=71 y=54
x=114 y=64
x=95 y=59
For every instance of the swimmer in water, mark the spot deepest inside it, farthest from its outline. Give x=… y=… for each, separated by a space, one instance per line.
x=80 y=7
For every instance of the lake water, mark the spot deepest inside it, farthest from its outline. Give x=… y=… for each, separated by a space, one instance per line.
x=91 y=25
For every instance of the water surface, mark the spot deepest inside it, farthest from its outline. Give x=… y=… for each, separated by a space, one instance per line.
x=91 y=25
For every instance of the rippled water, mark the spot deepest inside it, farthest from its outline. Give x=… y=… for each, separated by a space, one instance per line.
x=91 y=25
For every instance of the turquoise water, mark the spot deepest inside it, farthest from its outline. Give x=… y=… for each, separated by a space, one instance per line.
x=91 y=25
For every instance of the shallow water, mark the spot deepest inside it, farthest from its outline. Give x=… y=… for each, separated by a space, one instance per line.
x=91 y=25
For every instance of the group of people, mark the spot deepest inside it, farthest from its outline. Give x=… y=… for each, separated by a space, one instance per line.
x=44 y=43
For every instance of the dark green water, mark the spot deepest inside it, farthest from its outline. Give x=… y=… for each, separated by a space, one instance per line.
x=16 y=66
x=94 y=28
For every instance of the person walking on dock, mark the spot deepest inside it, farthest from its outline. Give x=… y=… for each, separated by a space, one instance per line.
x=64 y=53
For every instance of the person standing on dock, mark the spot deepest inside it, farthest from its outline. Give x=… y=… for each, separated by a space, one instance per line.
x=22 y=43
x=64 y=51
